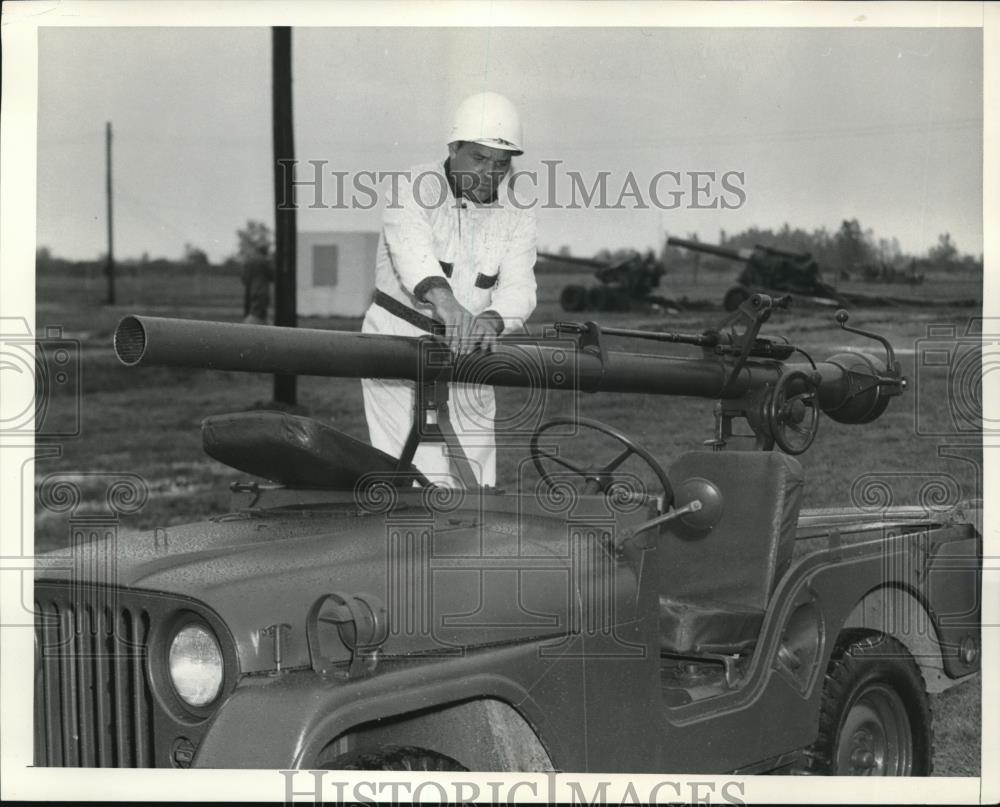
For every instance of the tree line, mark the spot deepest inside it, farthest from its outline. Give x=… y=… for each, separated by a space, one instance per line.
x=850 y=250
x=253 y=240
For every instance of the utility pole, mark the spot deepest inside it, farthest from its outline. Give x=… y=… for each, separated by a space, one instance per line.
x=109 y=268
x=285 y=309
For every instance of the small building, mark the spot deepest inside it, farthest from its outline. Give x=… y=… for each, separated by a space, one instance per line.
x=336 y=273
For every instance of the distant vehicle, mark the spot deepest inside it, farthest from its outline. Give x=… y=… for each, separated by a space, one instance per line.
x=622 y=285
x=770 y=271
x=883 y=272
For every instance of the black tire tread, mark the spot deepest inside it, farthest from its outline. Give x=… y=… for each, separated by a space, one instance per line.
x=573 y=298
x=395 y=758
x=846 y=665
x=735 y=297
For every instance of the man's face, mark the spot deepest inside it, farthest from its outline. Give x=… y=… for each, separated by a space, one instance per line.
x=478 y=169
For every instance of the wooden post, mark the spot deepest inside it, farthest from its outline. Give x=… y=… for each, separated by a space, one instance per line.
x=109 y=268
x=285 y=309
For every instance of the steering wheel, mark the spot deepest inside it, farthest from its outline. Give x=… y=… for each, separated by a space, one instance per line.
x=793 y=420
x=599 y=479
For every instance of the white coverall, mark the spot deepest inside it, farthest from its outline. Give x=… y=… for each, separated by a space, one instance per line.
x=425 y=227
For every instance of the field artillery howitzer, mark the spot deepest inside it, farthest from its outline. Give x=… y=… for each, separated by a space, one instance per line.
x=769 y=270
x=622 y=284
x=344 y=617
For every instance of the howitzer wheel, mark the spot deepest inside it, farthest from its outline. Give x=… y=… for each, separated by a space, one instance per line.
x=599 y=480
x=573 y=298
x=621 y=300
x=874 y=719
x=735 y=297
x=599 y=298
x=793 y=418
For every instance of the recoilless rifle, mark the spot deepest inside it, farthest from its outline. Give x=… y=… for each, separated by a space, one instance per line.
x=348 y=611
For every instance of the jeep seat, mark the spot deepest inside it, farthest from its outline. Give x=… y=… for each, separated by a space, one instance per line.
x=294 y=450
x=715 y=584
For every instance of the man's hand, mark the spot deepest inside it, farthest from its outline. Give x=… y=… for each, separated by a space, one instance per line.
x=485 y=330
x=457 y=319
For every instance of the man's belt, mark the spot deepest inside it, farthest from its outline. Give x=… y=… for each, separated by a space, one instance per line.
x=407 y=314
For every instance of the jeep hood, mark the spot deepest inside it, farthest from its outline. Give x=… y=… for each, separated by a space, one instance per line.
x=460 y=581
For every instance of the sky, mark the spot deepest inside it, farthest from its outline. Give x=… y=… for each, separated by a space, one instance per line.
x=882 y=125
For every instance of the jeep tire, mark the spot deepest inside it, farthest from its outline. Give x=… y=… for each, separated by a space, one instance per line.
x=875 y=719
x=394 y=758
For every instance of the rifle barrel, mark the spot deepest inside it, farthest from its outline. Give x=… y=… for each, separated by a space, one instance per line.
x=548 y=363
x=516 y=362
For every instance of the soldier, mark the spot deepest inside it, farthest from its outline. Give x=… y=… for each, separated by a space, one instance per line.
x=258 y=272
x=457 y=253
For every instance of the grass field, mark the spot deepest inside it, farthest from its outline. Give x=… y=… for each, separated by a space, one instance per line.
x=146 y=421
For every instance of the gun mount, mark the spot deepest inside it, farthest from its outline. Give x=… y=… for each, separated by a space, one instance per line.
x=769 y=270
x=750 y=376
x=621 y=285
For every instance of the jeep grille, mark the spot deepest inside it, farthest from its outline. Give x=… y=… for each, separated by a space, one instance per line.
x=93 y=702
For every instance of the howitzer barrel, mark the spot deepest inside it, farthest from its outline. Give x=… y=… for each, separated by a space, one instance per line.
x=550 y=363
x=710 y=249
x=784 y=253
x=591 y=263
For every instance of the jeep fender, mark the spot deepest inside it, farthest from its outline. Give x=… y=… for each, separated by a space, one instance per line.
x=899 y=614
x=288 y=721
x=921 y=589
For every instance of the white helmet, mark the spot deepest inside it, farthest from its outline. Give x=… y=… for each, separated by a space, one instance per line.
x=490 y=119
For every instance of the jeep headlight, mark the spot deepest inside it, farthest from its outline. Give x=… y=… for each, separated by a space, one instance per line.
x=195 y=662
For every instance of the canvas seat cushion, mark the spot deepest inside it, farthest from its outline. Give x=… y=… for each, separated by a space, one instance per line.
x=693 y=628
x=293 y=450
x=715 y=585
